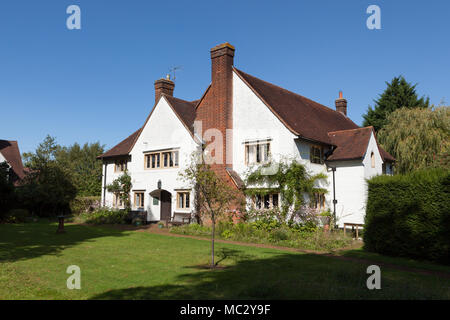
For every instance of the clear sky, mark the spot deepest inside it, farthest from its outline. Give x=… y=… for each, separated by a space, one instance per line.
x=96 y=84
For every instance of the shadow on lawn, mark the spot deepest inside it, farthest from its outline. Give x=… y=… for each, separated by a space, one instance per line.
x=287 y=276
x=30 y=240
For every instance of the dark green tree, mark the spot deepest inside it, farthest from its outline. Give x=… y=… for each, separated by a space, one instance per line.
x=398 y=94
x=86 y=170
x=47 y=189
x=7 y=194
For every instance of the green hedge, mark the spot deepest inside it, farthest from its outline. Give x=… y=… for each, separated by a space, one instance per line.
x=105 y=216
x=409 y=215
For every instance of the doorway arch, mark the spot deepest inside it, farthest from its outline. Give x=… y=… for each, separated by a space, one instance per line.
x=165 y=203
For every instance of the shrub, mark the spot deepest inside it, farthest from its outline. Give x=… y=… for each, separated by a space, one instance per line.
x=105 y=216
x=268 y=231
x=17 y=216
x=194 y=229
x=408 y=215
x=84 y=204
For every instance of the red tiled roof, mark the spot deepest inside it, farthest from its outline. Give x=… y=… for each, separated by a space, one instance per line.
x=123 y=148
x=386 y=156
x=236 y=178
x=304 y=117
x=10 y=151
x=352 y=144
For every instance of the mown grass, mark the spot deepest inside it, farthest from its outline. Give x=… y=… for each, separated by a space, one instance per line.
x=119 y=264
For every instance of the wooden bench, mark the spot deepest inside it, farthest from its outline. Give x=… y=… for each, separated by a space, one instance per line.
x=179 y=218
x=353 y=225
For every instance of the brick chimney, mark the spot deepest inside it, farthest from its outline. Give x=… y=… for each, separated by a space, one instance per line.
x=165 y=86
x=341 y=104
x=222 y=57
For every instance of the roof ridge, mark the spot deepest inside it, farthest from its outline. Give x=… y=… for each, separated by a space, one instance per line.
x=173 y=97
x=361 y=128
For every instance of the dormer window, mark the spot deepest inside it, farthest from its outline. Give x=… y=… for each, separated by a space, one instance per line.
x=257 y=152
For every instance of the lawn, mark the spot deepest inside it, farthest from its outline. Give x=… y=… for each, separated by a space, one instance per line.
x=119 y=264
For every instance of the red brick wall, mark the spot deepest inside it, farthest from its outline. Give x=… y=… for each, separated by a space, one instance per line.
x=215 y=110
x=165 y=86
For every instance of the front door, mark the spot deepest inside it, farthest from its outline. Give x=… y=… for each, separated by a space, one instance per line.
x=166 y=205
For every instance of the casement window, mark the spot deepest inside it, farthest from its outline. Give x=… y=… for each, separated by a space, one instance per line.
x=118 y=201
x=139 y=199
x=257 y=152
x=316 y=154
x=183 y=200
x=266 y=201
x=318 y=201
x=163 y=159
x=120 y=165
x=372 y=159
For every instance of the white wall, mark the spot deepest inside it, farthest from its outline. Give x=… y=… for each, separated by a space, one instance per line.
x=253 y=120
x=2 y=158
x=163 y=130
x=350 y=192
x=368 y=170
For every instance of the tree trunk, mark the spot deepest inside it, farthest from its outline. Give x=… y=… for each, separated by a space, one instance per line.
x=212 y=241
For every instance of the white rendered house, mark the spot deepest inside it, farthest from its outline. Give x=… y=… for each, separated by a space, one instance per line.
x=247 y=121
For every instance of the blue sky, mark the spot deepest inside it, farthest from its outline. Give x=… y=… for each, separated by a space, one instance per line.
x=96 y=84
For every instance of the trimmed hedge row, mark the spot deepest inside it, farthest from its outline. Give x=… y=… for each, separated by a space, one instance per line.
x=409 y=215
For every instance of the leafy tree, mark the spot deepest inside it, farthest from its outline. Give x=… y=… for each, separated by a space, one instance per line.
x=86 y=170
x=48 y=188
x=398 y=94
x=418 y=138
x=292 y=181
x=7 y=194
x=214 y=197
x=122 y=187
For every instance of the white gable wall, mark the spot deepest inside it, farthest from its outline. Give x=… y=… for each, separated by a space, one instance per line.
x=163 y=130
x=253 y=120
x=372 y=147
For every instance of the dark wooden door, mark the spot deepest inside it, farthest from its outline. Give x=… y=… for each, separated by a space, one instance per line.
x=166 y=205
